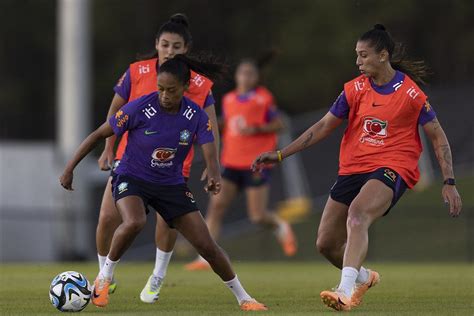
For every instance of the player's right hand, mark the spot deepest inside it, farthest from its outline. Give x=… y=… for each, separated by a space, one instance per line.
x=269 y=157
x=106 y=160
x=213 y=185
x=66 y=180
x=452 y=199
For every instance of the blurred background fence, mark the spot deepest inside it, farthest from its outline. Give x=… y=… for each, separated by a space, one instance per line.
x=315 y=40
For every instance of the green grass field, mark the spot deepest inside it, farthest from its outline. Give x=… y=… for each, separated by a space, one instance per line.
x=287 y=289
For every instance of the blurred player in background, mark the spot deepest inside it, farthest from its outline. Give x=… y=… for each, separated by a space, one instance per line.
x=162 y=127
x=378 y=157
x=172 y=38
x=250 y=125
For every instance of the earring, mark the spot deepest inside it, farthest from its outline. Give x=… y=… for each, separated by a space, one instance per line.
x=381 y=60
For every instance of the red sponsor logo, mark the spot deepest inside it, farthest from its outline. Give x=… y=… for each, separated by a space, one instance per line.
x=163 y=154
x=374 y=131
x=375 y=127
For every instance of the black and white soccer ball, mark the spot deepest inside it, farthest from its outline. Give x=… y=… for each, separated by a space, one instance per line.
x=70 y=291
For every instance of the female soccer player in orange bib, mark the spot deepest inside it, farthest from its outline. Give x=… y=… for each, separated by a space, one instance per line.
x=172 y=38
x=251 y=121
x=378 y=158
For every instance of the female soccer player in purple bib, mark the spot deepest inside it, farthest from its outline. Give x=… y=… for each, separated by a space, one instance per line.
x=161 y=127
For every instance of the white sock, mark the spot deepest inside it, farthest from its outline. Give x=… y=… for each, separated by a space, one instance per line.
x=107 y=270
x=101 y=260
x=363 y=276
x=162 y=261
x=236 y=288
x=348 y=279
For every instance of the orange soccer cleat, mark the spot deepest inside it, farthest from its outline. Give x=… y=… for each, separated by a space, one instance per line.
x=361 y=289
x=336 y=300
x=100 y=294
x=197 y=265
x=252 y=305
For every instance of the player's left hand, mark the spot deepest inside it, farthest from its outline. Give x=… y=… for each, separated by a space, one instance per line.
x=213 y=185
x=452 y=199
x=66 y=180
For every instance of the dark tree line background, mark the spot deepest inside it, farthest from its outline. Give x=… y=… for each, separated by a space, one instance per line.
x=315 y=39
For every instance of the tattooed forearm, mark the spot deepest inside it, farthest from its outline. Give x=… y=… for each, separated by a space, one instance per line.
x=436 y=124
x=445 y=159
x=307 y=139
x=441 y=147
x=312 y=135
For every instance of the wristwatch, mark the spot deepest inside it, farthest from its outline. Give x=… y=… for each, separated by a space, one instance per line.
x=450 y=181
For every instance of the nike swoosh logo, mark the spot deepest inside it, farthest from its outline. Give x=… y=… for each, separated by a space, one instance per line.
x=374 y=105
x=147 y=132
x=95 y=294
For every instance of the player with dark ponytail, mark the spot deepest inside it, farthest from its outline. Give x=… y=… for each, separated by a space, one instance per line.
x=378 y=158
x=172 y=38
x=382 y=40
x=162 y=127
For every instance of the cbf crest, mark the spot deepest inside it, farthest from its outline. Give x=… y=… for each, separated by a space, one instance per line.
x=184 y=136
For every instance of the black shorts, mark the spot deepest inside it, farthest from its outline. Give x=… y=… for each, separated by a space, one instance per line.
x=347 y=187
x=170 y=201
x=246 y=178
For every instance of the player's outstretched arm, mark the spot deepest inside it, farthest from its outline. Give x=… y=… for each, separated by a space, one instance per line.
x=106 y=159
x=91 y=141
x=438 y=138
x=311 y=136
x=213 y=175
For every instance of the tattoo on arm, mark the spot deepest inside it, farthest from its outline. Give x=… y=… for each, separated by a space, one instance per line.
x=435 y=122
x=445 y=159
x=307 y=140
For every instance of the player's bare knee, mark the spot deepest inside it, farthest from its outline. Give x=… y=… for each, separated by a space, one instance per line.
x=107 y=218
x=135 y=225
x=324 y=245
x=208 y=250
x=356 y=219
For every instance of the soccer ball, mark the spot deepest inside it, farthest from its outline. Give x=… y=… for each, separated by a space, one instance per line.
x=70 y=292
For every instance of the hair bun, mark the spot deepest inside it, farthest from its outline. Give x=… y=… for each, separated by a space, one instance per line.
x=180 y=18
x=379 y=27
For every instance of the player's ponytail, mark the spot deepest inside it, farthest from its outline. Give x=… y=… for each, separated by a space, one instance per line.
x=204 y=64
x=380 y=39
x=177 y=24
